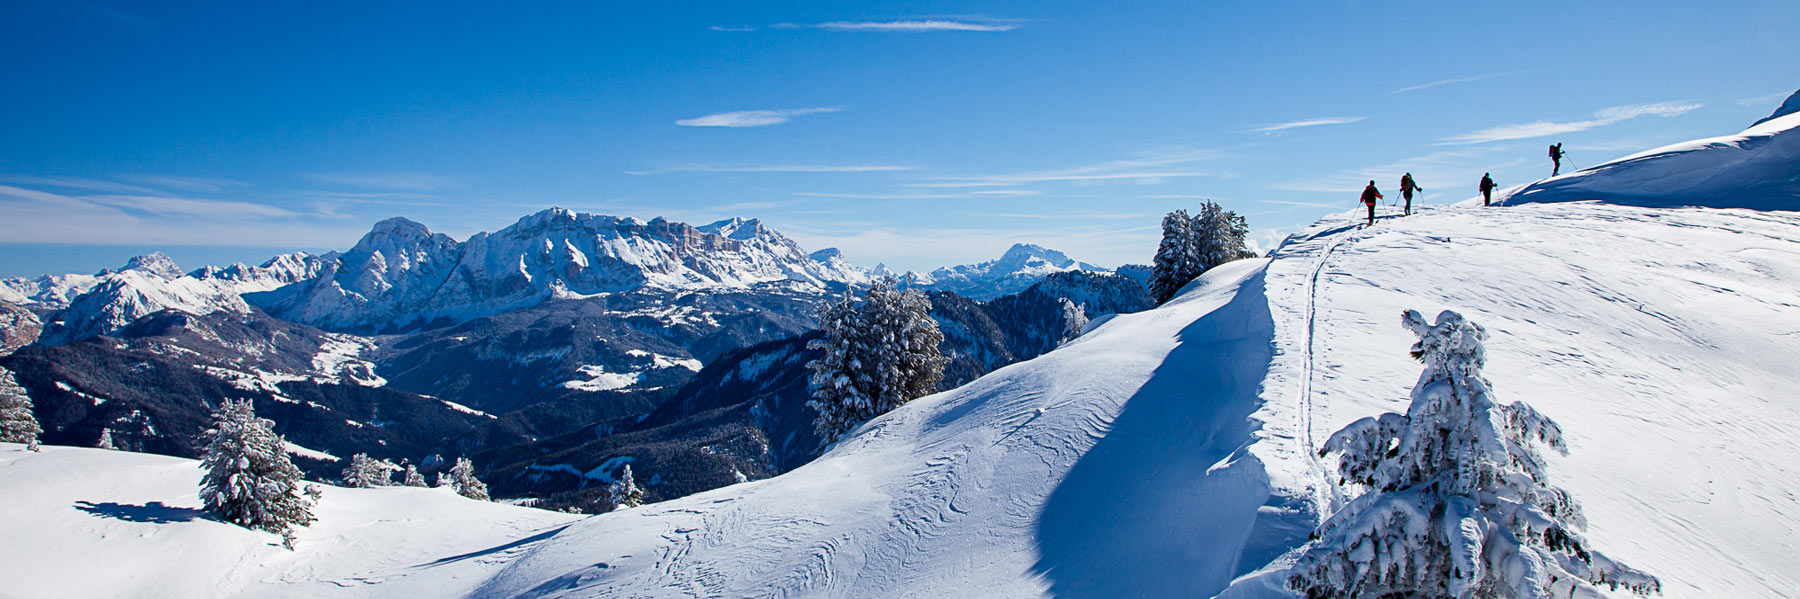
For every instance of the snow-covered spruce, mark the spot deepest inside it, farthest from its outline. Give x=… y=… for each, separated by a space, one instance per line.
x=365 y=471
x=17 y=424
x=461 y=477
x=412 y=478
x=1074 y=319
x=878 y=354
x=1458 y=502
x=624 y=490
x=249 y=480
x=105 y=441
x=1192 y=244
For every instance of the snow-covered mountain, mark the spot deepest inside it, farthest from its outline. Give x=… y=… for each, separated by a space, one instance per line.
x=1020 y=267
x=401 y=275
x=76 y=306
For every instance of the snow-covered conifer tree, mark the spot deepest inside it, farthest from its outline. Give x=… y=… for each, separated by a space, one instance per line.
x=878 y=354
x=1193 y=244
x=624 y=490
x=413 y=478
x=365 y=471
x=106 y=441
x=1174 y=263
x=1220 y=236
x=1074 y=319
x=462 y=478
x=249 y=480
x=17 y=424
x=1458 y=503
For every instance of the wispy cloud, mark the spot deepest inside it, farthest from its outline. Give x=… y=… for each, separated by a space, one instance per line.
x=907 y=26
x=1457 y=80
x=1765 y=101
x=773 y=168
x=406 y=181
x=188 y=183
x=1603 y=117
x=732 y=29
x=38 y=216
x=1146 y=168
x=753 y=118
x=1336 y=120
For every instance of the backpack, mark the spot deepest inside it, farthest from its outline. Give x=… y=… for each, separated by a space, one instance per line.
x=1553 y=151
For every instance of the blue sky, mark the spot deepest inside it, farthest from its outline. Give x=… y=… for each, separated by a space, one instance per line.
x=918 y=134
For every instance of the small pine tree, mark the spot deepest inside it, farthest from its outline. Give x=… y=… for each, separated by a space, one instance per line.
x=462 y=478
x=106 y=441
x=249 y=479
x=1458 y=503
x=877 y=355
x=17 y=424
x=413 y=478
x=365 y=471
x=624 y=490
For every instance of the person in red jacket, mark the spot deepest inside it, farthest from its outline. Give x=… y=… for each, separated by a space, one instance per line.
x=1369 y=196
x=1407 y=187
x=1487 y=189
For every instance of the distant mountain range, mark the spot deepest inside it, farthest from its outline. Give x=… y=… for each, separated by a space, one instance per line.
x=564 y=334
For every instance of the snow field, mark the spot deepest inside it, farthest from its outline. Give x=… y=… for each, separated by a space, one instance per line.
x=129 y=525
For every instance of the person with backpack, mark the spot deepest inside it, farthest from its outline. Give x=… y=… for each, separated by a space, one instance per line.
x=1556 y=156
x=1407 y=187
x=1487 y=189
x=1369 y=196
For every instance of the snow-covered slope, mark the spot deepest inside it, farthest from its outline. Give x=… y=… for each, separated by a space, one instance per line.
x=1753 y=169
x=1021 y=266
x=137 y=531
x=402 y=275
x=1170 y=452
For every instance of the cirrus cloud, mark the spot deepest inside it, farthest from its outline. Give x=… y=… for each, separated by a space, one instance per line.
x=753 y=118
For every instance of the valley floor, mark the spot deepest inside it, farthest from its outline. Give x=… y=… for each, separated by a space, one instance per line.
x=1165 y=453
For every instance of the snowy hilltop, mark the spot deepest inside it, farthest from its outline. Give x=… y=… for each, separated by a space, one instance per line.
x=1021 y=266
x=1171 y=452
x=1753 y=169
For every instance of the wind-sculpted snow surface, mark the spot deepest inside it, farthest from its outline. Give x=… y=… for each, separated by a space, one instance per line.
x=1026 y=481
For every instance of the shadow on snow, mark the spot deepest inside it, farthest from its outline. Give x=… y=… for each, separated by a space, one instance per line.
x=1169 y=503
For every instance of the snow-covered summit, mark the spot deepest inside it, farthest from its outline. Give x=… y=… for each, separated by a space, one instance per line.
x=1022 y=265
x=401 y=274
x=155 y=263
x=1753 y=169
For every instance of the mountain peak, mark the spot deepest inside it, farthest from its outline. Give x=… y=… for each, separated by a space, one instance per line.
x=399 y=224
x=155 y=263
x=736 y=228
x=1024 y=252
x=826 y=254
